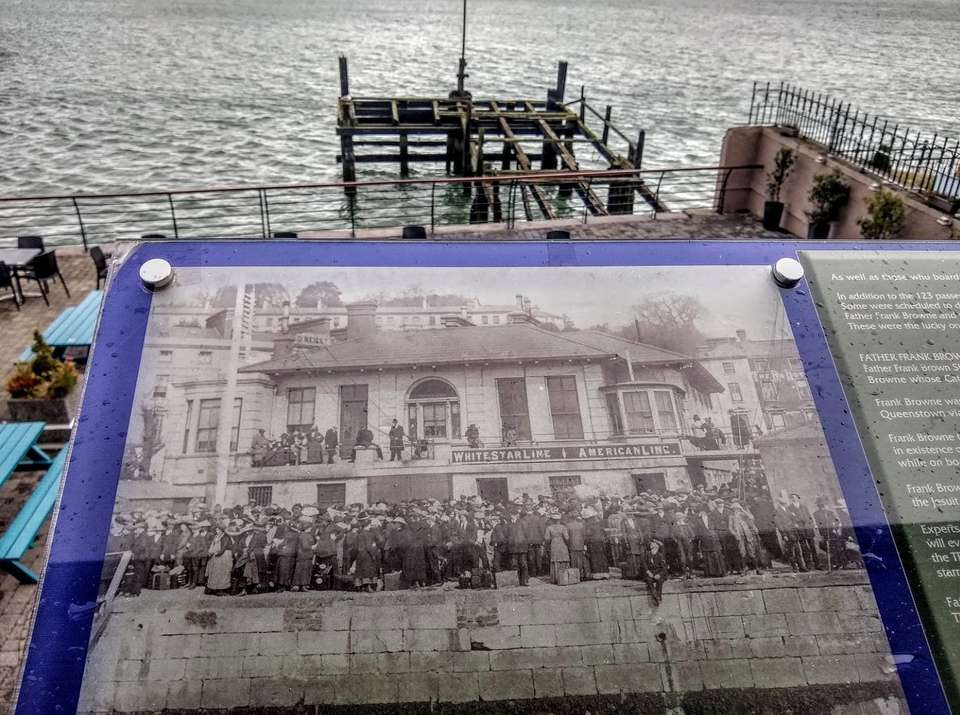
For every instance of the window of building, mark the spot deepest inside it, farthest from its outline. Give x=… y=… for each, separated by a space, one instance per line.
x=639 y=414
x=810 y=415
x=206 y=356
x=803 y=390
x=433 y=410
x=565 y=407
x=336 y=322
x=666 y=415
x=166 y=356
x=761 y=365
x=235 y=426
x=391 y=320
x=496 y=320
x=209 y=420
x=404 y=320
x=777 y=420
x=186 y=429
x=795 y=364
x=561 y=488
x=269 y=322
x=613 y=411
x=160 y=389
x=379 y=320
x=768 y=390
x=415 y=320
x=484 y=319
x=514 y=414
x=433 y=320
x=329 y=495
x=650 y=482
x=260 y=496
x=301 y=408
x=729 y=368
x=735 y=394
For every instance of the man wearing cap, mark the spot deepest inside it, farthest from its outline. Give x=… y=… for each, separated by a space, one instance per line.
x=396 y=442
x=519 y=546
x=655 y=570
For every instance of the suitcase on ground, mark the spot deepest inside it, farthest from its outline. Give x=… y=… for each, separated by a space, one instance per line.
x=568 y=577
x=392 y=581
x=486 y=579
x=465 y=581
x=627 y=569
x=476 y=580
x=161 y=581
x=505 y=579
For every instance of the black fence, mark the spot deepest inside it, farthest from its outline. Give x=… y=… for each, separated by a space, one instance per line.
x=892 y=151
x=345 y=208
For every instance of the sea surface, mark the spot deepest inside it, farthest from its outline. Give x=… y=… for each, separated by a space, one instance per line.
x=124 y=95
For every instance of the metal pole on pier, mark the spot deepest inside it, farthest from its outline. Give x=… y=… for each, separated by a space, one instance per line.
x=462 y=72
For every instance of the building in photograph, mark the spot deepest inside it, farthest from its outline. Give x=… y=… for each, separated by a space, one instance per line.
x=546 y=411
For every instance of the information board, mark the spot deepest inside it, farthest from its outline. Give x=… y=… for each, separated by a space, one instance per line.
x=407 y=476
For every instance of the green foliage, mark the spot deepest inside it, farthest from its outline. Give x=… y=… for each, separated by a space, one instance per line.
x=782 y=165
x=42 y=377
x=886 y=216
x=828 y=194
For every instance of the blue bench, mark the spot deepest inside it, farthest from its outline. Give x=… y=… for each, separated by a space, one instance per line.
x=19 y=450
x=74 y=327
x=20 y=535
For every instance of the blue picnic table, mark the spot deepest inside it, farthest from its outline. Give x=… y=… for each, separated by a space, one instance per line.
x=74 y=327
x=18 y=448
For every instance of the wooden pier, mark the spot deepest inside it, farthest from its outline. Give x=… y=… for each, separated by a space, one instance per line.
x=514 y=138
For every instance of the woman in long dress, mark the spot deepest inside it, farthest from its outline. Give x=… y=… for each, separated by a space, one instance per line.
x=368 y=556
x=558 y=537
x=220 y=565
x=413 y=545
x=303 y=565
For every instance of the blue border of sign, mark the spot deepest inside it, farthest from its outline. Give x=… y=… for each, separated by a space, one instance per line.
x=57 y=651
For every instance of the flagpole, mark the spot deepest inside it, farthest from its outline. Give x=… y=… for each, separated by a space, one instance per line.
x=462 y=74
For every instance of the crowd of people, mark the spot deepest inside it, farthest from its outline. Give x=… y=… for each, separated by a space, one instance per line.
x=702 y=533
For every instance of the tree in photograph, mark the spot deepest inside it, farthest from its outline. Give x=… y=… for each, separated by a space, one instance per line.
x=886 y=215
x=138 y=458
x=668 y=320
x=318 y=291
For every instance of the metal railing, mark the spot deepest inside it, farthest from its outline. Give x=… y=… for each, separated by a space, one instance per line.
x=894 y=152
x=262 y=211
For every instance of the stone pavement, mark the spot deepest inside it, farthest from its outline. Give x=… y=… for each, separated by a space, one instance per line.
x=17 y=601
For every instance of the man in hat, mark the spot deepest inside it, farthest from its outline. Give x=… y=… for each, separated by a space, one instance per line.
x=330 y=443
x=830 y=532
x=519 y=546
x=805 y=530
x=396 y=442
x=655 y=570
x=365 y=441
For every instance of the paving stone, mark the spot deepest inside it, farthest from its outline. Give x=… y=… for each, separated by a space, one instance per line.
x=714 y=649
x=338 y=664
x=459 y=687
x=99 y=696
x=433 y=639
x=766 y=626
x=841 y=644
x=269 y=692
x=366 y=663
x=227 y=693
x=547 y=683
x=322 y=690
x=872 y=667
x=277 y=644
x=471 y=661
x=767 y=647
x=216 y=668
x=439 y=616
x=827 y=669
x=376 y=618
x=777 y=672
x=302 y=666
x=811 y=624
x=166 y=669
x=185 y=694
x=393 y=663
x=538 y=636
x=801 y=645
x=214 y=644
x=597 y=655
x=580 y=681
x=719 y=674
x=829 y=599
x=262 y=666
x=419 y=687
x=130 y=670
x=782 y=600
x=532 y=658
x=323 y=642
x=639 y=678
x=431 y=662
x=573 y=611
x=587 y=633
x=134 y=697
x=515 y=685
x=739 y=603
x=630 y=653
x=375 y=641
x=861 y=622
x=496 y=638
x=719 y=627
x=615 y=609
x=686 y=675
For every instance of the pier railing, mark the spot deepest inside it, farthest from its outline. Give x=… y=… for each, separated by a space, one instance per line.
x=896 y=153
x=346 y=208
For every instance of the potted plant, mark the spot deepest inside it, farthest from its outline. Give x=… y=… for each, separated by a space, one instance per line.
x=773 y=208
x=886 y=215
x=828 y=194
x=40 y=386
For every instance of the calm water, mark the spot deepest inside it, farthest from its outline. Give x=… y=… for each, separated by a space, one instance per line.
x=118 y=95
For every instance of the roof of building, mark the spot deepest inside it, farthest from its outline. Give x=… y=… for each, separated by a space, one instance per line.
x=504 y=343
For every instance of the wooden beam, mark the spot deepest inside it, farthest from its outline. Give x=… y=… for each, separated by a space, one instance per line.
x=523 y=161
x=590 y=198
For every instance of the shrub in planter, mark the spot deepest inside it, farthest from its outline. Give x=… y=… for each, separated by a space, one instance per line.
x=39 y=386
x=886 y=215
x=773 y=208
x=828 y=194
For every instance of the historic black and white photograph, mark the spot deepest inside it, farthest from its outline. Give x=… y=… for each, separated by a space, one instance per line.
x=371 y=486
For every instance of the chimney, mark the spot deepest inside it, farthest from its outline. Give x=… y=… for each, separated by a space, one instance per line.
x=742 y=335
x=285 y=317
x=361 y=320
x=519 y=302
x=526 y=305
x=282 y=346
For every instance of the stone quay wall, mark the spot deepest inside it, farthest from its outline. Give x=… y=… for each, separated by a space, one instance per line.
x=184 y=651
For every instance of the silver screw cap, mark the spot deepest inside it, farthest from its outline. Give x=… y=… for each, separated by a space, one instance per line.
x=787 y=272
x=156 y=274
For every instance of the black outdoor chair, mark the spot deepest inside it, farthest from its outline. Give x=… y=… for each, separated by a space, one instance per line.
x=30 y=242
x=286 y=234
x=414 y=232
x=8 y=279
x=153 y=235
x=43 y=268
x=557 y=235
x=100 y=261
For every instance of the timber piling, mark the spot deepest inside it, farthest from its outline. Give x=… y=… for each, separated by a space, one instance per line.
x=515 y=138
